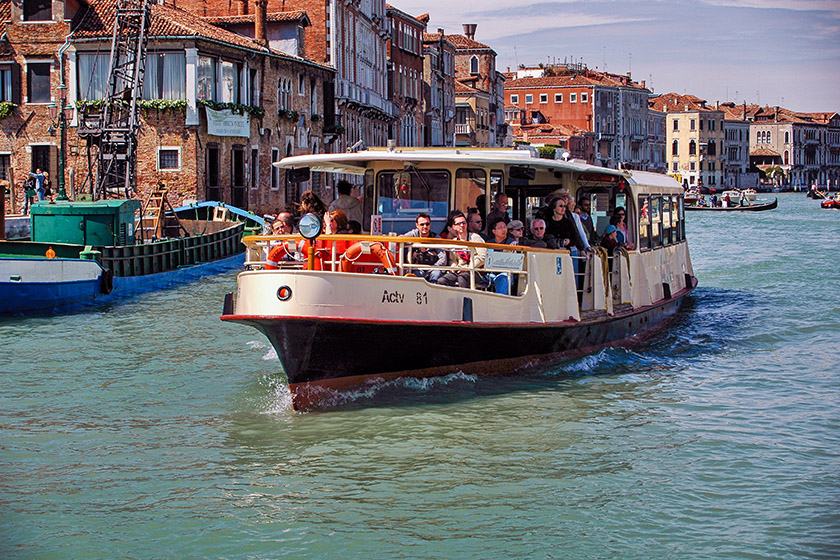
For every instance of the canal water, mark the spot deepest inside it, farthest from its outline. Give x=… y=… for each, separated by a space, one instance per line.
x=150 y=429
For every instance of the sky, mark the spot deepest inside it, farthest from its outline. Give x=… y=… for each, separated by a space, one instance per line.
x=769 y=52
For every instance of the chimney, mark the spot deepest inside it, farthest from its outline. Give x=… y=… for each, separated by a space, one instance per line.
x=469 y=30
x=440 y=31
x=260 y=22
x=241 y=7
x=643 y=85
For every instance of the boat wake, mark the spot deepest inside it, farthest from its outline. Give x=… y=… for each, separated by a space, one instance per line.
x=270 y=354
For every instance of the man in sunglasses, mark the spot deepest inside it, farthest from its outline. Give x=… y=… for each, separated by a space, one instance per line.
x=422 y=254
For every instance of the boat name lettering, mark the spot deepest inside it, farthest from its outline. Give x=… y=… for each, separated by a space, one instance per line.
x=392 y=297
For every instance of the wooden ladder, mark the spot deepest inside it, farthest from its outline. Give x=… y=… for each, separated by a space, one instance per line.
x=151 y=222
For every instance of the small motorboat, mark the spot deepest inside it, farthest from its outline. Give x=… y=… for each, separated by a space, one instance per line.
x=749 y=194
x=734 y=197
x=831 y=202
x=692 y=196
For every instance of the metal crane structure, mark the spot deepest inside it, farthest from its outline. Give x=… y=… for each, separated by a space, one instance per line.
x=115 y=129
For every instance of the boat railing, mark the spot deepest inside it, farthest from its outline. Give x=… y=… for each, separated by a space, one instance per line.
x=600 y=279
x=331 y=249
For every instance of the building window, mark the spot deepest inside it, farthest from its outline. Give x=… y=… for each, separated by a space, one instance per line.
x=169 y=159
x=767 y=137
x=474 y=65
x=692 y=124
x=166 y=76
x=5 y=163
x=543 y=98
x=37 y=10
x=284 y=93
x=230 y=82
x=92 y=75
x=676 y=125
x=514 y=100
x=692 y=148
x=787 y=137
x=6 y=82
x=558 y=98
x=675 y=148
x=275 y=171
x=572 y=98
x=38 y=82
x=254 y=87
x=255 y=168
x=584 y=98
x=529 y=98
x=301 y=84
x=205 y=87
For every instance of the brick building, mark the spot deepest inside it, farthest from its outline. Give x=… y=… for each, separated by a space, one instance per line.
x=438 y=88
x=195 y=69
x=612 y=107
x=350 y=37
x=475 y=68
x=405 y=73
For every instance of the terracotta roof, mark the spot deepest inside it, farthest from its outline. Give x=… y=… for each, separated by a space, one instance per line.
x=674 y=102
x=98 y=21
x=461 y=42
x=5 y=11
x=582 y=79
x=765 y=152
x=464 y=88
x=298 y=15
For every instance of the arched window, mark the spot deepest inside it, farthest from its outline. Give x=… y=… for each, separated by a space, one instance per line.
x=692 y=148
x=474 y=65
x=675 y=148
x=787 y=137
x=787 y=157
x=768 y=136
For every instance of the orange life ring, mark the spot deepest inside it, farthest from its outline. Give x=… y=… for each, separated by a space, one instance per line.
x=377 y=249
x=278 y=253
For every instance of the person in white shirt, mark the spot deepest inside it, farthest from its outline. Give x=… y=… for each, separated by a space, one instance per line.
x=350 y=205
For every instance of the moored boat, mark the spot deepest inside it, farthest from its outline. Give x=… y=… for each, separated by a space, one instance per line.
x=359 y=308
x=831 y=202
x=749 y=194
x=86 y=252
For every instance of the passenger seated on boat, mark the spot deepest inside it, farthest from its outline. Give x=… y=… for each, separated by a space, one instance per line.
x=475 y=223
x=499 y=210
x=284 y=224
x=457 y=223
x=538 y=237
x=422 y=254
x=499 y=234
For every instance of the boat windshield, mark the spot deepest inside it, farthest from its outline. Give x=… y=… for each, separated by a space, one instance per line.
x=404 y=194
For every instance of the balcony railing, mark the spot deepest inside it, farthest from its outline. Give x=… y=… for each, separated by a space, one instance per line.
x=463 y=129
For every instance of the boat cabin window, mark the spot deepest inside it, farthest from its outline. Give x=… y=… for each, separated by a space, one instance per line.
x=401 y=195
x=644 y=222
x=666 y=220
x=656 y=221
x=681 y=228
x=367 y=207
x=469 y=185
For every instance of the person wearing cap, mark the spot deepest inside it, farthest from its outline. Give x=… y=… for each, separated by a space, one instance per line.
x=609 y=240
x=516 y=229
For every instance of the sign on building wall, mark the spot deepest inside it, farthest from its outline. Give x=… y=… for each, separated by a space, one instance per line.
x=225 y=123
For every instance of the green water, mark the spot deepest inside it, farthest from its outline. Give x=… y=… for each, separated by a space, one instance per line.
x=150 y=429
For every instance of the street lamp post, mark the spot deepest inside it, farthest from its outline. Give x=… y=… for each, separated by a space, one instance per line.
x=60 y=114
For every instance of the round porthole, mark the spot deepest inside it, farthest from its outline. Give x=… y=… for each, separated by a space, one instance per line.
x=284 y=293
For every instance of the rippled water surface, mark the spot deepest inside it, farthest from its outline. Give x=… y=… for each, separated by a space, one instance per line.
x=150 y=429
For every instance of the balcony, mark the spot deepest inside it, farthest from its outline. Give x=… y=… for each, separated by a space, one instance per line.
x=463 y=129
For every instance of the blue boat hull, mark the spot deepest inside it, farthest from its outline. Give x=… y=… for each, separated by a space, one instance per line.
x=54 y=294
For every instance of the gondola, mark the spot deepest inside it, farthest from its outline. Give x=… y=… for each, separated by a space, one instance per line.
x=749 y=208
